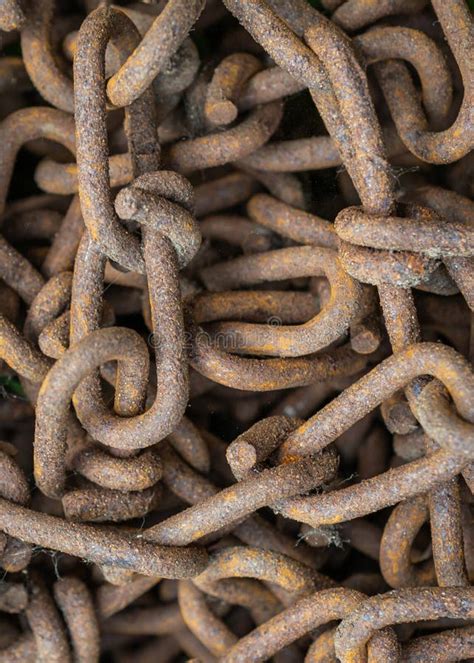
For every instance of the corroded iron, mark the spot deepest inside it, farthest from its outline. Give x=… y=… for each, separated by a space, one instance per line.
x=236 y=327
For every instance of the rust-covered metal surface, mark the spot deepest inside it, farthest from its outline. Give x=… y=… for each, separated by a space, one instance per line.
x=236 y=331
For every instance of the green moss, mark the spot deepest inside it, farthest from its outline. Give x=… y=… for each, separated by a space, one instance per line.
x=10 y=385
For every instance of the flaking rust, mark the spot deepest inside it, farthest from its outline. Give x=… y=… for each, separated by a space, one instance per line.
x=236 y=327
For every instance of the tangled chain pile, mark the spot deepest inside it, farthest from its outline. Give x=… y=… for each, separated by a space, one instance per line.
x=234 y=429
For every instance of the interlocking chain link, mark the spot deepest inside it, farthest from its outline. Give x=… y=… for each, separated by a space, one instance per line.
x=236 y=327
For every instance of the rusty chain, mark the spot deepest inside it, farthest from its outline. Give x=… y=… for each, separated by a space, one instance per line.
x=236 y=327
